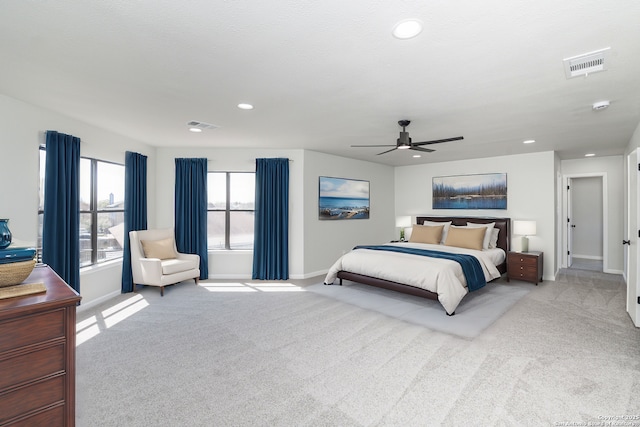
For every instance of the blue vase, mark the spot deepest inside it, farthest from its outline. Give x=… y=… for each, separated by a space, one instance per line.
x=5 y=233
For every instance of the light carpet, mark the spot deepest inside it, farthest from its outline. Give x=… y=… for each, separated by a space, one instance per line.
x=248 y=353
x=477 y=311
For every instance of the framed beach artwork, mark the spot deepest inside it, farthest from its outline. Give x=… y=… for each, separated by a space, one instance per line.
x=482 y=191
x=342 y=198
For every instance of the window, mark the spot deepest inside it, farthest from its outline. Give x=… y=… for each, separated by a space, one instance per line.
x=101 y=210
x=230 y=209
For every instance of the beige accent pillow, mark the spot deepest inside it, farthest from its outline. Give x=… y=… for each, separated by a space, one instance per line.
x=161 y=249
x=463 y=237
x=487 y=234
x=446 y=224
x=426 y=234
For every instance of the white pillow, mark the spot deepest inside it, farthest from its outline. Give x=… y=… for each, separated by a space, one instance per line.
x=407 y=233
x=493 y=243
x=445 y=230
x=487 y=233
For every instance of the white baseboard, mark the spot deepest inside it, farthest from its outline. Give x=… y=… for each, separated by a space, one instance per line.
x=596 y=258
x=228 y=276
x=82 y=307
x=309 y=275
x=248 y=277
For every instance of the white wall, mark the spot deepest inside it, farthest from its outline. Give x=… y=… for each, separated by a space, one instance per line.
x=530 y=194
x=313 y=244
x=22 y=131
x=613 y=167
x=326 y=241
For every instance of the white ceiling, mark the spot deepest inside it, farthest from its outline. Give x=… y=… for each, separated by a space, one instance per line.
x=327 y=74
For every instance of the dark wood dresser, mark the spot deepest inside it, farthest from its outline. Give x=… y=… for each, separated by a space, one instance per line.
x=525 y=266
x=37 y=354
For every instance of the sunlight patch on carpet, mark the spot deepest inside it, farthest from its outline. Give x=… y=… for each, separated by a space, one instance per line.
x=251 y=287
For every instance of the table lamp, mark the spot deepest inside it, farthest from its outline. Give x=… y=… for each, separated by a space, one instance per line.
x=524 y=229
x=402 y=222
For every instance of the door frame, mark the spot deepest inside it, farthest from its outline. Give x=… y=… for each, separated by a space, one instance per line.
x=632 y=264
x=566 y=179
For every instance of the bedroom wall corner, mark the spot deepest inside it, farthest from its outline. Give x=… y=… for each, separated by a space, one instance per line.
x=326 y=240
x=22 y=130
x=531 y=194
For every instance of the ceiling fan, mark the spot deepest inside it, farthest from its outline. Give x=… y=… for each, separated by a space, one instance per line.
x=404 y=142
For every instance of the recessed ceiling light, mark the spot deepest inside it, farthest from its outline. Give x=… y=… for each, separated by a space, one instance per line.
x=589 y=155
x=529 y=141
x=416 y=156
x=245 y=106
x=195 y=130
x=407 y=29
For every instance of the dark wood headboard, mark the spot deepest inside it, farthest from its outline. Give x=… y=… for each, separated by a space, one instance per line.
x=503 y=224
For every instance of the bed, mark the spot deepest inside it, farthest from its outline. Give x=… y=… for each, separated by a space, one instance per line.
x=438 y=279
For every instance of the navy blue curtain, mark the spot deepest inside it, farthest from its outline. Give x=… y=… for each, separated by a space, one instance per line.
x=191 y=210
x=61 y=223
x=271 y=233
x=135 y=209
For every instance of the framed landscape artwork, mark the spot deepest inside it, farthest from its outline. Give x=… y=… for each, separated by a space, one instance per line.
x=483 y=191
x=342 y=198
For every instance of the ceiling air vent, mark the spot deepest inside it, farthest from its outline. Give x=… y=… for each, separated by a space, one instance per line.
x=201 y=125
x=585 y=64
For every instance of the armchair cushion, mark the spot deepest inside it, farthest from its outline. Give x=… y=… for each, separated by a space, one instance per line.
x=171 y=266
x=161 y=249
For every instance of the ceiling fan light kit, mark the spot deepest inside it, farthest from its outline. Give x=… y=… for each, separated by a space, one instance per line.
x=404 y=141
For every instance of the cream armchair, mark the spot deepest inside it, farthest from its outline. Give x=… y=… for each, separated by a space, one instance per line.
x=155 y=260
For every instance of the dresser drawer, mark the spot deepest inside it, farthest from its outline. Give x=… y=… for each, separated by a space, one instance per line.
x=53 y=417
x=522 y=259
x=31 y=366
x=517 y=269
x=528 y=275
x=31 y=330
x=26 y=399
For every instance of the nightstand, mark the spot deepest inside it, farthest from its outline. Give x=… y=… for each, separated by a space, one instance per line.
x=525 y=266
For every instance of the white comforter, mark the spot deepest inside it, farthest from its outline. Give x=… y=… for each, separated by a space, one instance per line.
x=442 y=276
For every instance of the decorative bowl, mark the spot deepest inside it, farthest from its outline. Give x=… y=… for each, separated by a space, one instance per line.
x=15 y=273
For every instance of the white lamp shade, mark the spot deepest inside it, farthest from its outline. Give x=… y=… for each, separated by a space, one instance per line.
x=403 y=221
x=524 y=228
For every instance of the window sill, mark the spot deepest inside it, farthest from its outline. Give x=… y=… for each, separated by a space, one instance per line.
x=102 y=266
x=230 y=251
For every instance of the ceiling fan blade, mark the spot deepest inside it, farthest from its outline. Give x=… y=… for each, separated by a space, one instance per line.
x=388 y=151
x=438 y=141
x=386 y=145
x=424 y=150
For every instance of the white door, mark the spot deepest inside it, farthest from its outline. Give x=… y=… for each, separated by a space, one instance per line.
x=632 y=230
x=570 y=224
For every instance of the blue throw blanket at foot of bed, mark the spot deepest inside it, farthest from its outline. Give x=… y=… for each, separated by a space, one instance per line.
x=471 y=267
